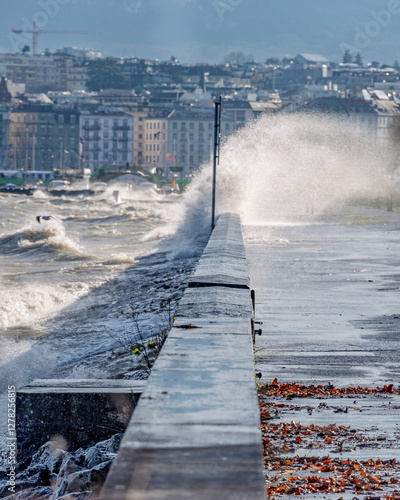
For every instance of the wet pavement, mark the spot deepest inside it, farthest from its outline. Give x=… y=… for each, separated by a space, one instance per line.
x=327 y=292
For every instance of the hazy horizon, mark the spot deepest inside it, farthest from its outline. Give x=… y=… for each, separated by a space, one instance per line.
x=208 y=30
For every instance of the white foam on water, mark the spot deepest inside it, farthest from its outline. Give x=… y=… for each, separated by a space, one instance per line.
x=32 y=304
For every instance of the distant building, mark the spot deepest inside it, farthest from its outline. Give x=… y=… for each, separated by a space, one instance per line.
x=43 y=137
x=107 y=138
x=5 y=94
x=36 y=72
x=59 y=71
x=138 y=134
x=4 y=137
x=71 y=75
x=311 y=60
x=156 y=143
x=79 y=54
x=191 y=136
x=372 y=117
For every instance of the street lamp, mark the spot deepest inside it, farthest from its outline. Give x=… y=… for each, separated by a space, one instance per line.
x=217 y=142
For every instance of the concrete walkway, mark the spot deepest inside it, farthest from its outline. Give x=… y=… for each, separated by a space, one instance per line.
x=327 y=290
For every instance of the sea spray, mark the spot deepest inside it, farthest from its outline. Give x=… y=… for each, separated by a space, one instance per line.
x=286 y=164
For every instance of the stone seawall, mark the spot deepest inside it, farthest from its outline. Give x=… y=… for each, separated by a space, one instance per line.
x=195 y=433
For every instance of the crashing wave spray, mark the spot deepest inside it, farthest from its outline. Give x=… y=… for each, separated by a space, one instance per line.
x=285 y=165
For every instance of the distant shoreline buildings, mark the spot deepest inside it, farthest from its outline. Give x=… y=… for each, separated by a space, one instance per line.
x=75 y=109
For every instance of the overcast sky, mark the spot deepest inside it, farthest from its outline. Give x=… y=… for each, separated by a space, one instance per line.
x=196 y=30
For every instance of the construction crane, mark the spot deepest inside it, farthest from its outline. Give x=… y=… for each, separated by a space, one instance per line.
x=35 y=33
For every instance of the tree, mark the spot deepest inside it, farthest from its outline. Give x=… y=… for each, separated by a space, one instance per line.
x=274 y=61
x=105 y=74
x=359 y=60
x=347 y=57
x=25 y=49
x=375 y=64
x=396 y=65
x=238 y=58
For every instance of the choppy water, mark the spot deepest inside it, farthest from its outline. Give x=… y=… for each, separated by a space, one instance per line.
x=69 y=285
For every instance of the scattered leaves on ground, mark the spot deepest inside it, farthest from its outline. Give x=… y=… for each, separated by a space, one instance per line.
x=288 y=472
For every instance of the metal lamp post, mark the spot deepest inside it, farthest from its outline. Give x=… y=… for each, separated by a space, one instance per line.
x=217 y=142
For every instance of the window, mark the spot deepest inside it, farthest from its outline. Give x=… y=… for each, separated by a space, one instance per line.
x=105 y=144
x=175 y=126
x=191 y=126
x=106 y=124
x=105 y=134
x=72 y=119
x=60 y=118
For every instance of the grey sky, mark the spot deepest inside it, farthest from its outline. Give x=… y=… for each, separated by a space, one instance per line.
x=195 y=30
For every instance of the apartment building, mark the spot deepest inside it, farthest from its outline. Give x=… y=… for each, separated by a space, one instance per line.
x=191 y=139
x=36 y=72
x=156 y=142
x=43 y=137
x=107 y=137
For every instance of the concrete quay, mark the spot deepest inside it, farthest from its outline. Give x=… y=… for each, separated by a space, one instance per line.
x=195 y=433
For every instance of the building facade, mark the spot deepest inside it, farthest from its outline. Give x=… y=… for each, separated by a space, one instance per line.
x=36 y=72
x=191 y=139
x=156 y=143
x=4 y=137
x=138 y=135
x=107 y=138
x=43 y=137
